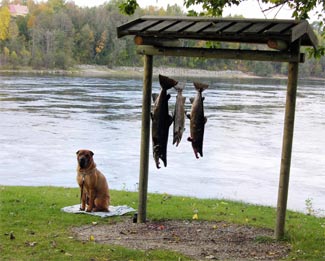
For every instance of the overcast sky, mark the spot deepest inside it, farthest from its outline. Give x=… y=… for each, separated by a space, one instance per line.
x=249 y=8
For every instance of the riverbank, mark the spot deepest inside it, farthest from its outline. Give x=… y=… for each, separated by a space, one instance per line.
x=133 y=72
x=137 y=72
x=90 y=70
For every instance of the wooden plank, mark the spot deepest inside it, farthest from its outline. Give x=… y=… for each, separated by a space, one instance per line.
x=254 y=55
x=161 y=26
x=216 y=27
x=145 y=139
x=287 y=140
x=278 y=28
x=257 y=28
x=286 y=150
x=197 y=27
x=142 y=26
x=179 y=26
x=237 y=27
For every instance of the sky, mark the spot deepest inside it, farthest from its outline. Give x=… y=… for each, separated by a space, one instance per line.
x=249 y=8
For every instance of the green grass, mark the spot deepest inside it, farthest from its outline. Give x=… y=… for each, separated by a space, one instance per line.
x=41 y=231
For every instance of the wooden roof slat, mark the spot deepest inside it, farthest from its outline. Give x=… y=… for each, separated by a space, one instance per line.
x=237 y=27
x=179 y=26
x=278 y=28
x=161 y=26
x=257 y=28
x=218 y=26
x=197 y=27
x=143 y=25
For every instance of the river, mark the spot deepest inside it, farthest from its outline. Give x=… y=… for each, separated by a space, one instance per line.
x=45 y=120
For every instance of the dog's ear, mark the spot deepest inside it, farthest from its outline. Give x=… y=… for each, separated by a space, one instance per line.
x=77 y=152
x=92 y=153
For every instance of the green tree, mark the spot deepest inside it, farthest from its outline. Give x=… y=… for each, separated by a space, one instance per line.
x=4 y=23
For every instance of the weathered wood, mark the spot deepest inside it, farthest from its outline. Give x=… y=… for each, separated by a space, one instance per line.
x=287 y=147
x=142 y=26
x=221 y=29
x=197 y=27
x=179 y=27
x=278 y=28
x=145 y=139
x=237 y=27
x=216 y=27
x=161 y=26
x=140 y=40
x=257 y=28
x=274 y=56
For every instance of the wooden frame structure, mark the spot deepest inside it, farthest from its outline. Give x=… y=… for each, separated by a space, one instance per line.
x=163 y=35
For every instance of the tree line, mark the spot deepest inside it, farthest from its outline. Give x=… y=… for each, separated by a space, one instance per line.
x=60 y=34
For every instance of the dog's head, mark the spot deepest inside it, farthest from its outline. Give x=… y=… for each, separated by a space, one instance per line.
x=84 y=158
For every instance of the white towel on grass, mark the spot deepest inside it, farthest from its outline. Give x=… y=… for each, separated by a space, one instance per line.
x=113 y=211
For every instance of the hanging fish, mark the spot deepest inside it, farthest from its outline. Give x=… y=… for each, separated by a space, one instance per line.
x=179 y=114
x=197 y=120
x=161 y=120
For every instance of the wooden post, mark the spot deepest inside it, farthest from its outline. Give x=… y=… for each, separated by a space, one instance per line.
x=145 y=138
x=287 y=147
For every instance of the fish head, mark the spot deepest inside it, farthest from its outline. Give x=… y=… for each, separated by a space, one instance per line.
x=156 y=155
x=197 y=147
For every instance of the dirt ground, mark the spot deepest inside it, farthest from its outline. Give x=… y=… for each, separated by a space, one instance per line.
x=199 y=240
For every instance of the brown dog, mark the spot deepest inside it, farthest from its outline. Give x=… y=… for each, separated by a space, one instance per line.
x=92 y=183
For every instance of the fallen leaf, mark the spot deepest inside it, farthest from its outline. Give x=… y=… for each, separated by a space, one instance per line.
x=91 y=238
x=30 y=244
x=195 y=216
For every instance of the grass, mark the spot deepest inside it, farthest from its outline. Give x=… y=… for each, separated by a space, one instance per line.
x=32 y=227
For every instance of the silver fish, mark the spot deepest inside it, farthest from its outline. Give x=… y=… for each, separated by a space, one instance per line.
x=179 y=114
x=197 y=120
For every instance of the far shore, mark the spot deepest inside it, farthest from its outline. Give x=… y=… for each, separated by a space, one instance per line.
x=131 y=72
x=137 y=72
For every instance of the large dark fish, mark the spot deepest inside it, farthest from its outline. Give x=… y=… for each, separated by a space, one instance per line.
x=197 y=120
x=179 y=114
x=161 y=120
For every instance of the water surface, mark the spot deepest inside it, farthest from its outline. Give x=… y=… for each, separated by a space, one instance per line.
x=45 y=120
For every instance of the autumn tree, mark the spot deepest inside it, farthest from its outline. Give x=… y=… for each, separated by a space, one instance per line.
x=4 y=22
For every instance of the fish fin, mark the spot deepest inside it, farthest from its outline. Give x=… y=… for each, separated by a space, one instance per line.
x=191 y=100
x=170 y=120
x=154 y=96
x=176 y=140
x=166 y=82
x=200 y=86
x=180 y=86
x=205 y=120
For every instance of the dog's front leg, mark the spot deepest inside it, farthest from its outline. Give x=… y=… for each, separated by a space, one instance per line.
x=83 y=201
x=91 y=200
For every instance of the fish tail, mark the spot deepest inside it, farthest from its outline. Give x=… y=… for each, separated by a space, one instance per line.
x=200 y=86
x=180 y=86
x=166 y=82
